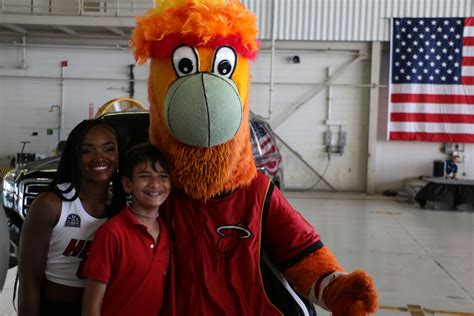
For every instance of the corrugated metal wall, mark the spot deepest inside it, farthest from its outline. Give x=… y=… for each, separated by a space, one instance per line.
x=346 y=20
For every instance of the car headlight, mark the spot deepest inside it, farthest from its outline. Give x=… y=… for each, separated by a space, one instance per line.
x=8 y=189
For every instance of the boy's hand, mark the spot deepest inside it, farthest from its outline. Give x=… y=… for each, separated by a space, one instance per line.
x=351 y=294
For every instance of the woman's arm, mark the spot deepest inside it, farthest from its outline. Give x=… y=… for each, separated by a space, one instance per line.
x=93 y=296
x=34 y=246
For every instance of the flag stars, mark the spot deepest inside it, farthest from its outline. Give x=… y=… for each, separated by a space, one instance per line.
x=451 y=43
x=408 y=77
x=450 y=57
x=432 y=37
x=433 y=22
x=419 y=77
x=409 y=22
x=458 y=22
x=443 y=78
x=437 y=71
x=421 y=49
x=446 y=22
x=445 y=36
x=421 y=22
x=422 y=35
x=456 y=78
x=427 y=29
x=443 y=64
x=456 y=64
x=452 y=29
x=458 y=36
x=439 y=29
x=425 y=71
x=431 y=78
x=408 y=63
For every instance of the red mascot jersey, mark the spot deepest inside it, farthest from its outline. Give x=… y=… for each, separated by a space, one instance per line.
x=215 y=266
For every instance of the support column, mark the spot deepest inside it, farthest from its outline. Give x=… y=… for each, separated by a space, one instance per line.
x=373 y=116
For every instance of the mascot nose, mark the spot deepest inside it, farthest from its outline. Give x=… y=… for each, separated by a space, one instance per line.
x=203 y=110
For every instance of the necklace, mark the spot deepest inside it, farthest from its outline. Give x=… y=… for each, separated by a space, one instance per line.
x=144 y=216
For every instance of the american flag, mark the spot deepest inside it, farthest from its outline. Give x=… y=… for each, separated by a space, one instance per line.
x=267 y=157
x=432 y=80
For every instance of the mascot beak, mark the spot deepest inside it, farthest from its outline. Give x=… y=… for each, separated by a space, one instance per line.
x=203 y=107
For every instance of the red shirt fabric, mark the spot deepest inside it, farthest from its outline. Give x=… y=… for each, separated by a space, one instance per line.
x=124 y=256
x=215 y=267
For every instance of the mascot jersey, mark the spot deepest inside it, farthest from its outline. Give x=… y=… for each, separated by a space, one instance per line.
x=216 y=259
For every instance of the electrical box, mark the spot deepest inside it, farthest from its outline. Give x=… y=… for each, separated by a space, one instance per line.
x=342 y=139
x=327 y=138
x=49 y=131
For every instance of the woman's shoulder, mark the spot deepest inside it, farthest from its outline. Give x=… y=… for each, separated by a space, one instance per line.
x=45 y=207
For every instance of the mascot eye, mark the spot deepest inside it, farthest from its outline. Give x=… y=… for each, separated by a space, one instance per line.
x=185 y=61
x=225 y=61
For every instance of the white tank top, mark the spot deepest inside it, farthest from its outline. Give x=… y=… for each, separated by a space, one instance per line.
x=70 y=243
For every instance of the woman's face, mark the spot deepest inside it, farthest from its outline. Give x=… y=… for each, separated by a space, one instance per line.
x=98 y=154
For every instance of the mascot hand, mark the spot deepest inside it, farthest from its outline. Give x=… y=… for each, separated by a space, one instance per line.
x=351 y=294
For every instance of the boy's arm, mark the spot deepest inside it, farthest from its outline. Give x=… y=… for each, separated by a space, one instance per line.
x=93 y=296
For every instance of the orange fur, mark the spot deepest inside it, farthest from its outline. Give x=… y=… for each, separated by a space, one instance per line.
x=353 y=294
x=202 y=172
x=205 y=20
x=312 y=268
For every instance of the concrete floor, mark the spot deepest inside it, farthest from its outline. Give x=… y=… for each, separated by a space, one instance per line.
x=421 y=259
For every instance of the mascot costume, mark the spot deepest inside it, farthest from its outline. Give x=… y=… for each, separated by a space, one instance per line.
x=225 y=215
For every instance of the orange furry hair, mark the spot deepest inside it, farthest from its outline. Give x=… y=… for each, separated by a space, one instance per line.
x=196 y=23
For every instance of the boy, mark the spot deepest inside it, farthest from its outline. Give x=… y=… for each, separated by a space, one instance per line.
x=129 y=256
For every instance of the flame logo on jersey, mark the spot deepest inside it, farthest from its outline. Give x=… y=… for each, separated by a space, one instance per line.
x=230 y=235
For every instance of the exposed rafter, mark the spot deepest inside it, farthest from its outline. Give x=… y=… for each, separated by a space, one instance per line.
x=66 y=29
x=15 y=28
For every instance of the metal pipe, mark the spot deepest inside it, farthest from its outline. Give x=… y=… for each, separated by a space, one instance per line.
x=114 y=47
x=272 y=62
x=23 y=53
x=61 y=104
x=68 y=78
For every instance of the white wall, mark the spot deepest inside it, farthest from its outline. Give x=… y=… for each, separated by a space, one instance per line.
x=304 y=129
x=97 y=75
x=26 y=95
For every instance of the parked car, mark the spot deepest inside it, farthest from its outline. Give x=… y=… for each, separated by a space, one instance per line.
x=21 y=186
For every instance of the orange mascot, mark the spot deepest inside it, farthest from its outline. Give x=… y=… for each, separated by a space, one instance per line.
x=233 y=231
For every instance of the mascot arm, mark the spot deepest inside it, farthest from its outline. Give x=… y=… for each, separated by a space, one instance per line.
x=297 y=249
x=321 y=278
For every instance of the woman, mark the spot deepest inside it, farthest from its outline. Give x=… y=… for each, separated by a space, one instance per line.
x=61 y=222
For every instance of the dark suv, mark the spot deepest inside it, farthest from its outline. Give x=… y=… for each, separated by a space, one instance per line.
x=21 y=186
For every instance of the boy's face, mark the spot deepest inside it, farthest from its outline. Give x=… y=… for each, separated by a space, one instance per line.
x=149 y=186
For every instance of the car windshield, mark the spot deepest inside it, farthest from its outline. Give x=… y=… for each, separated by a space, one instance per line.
x=131 y=131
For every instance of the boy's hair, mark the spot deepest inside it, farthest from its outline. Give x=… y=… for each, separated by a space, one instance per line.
x=143 y=153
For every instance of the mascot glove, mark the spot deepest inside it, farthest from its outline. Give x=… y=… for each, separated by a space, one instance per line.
x=351 y=294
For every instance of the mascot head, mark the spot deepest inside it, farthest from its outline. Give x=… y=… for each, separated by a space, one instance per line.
x=198 y=90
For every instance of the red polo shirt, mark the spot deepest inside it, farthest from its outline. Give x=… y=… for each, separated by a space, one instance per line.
x=124 y=256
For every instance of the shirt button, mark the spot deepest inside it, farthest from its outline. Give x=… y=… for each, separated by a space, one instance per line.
x=152 y=246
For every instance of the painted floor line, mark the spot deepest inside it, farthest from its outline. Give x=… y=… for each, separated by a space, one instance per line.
x=418 y=310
